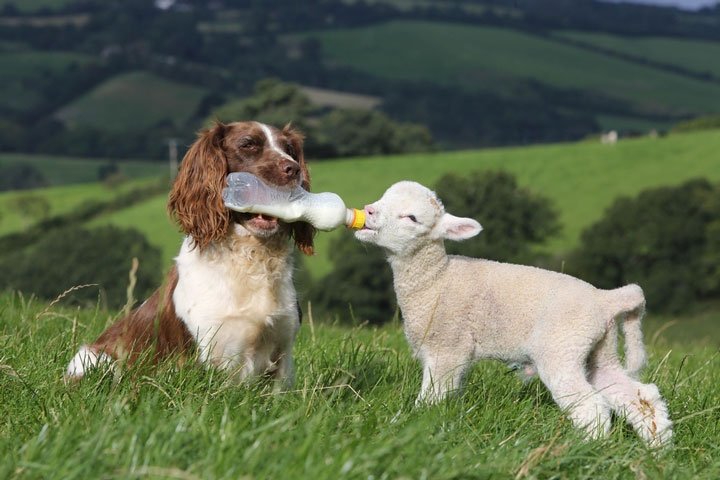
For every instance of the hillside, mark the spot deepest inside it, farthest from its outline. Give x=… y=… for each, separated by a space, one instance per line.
x=122 y=77
x=70 y=170
x=488 y=58
x=60 y=199
x=133 y=101
x=581 y=179
x=697 y=56
x=23 y=72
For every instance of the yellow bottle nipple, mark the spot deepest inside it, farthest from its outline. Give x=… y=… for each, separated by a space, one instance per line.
x=358 y=220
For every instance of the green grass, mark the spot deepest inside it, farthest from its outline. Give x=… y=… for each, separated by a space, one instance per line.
x=132 y=102
x=59 y=170
x=61 y=199
x=21 y=69
x=695 y=55
x=350 y=414
x=152 y=220
x=480 y=57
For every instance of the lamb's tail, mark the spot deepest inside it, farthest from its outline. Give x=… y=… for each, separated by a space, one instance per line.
x=629 y=307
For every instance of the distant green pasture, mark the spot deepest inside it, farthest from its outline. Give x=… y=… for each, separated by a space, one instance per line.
x=695 y=55
x=22 y=69
x=581 y=179
x=66 y=170
x=151 y=218
x=133 y=101
x=61 y=199
x=467 y=56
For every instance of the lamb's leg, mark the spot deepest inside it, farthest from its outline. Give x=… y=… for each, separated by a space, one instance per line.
x=442 y=374
x=640 y=403
x=587 y=409
x=284 y=374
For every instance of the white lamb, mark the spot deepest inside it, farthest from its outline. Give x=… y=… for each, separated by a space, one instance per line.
x=458 y=309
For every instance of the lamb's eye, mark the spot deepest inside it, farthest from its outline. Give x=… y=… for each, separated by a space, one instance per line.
x=411 y=217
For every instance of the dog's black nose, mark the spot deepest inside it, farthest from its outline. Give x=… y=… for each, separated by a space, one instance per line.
x=290 y=168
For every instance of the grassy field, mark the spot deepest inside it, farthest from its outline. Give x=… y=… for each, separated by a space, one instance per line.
x=479 y=57
x=21 y=69
x=68 y=170
x=60 y=199
x=350 y=414
x=151 y=218
x=135 y=100
x=695 y=55
x=582 y=179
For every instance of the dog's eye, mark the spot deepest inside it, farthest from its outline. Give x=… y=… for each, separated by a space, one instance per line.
x=290 y=150
x=247 y=142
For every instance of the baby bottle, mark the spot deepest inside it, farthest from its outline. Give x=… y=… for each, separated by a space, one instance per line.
x=325 y=211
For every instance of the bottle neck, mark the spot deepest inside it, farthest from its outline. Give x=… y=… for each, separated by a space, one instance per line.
x=355 y=219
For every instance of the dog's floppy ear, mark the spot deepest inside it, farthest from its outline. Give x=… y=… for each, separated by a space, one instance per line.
x=302 y=232
x=195 y=200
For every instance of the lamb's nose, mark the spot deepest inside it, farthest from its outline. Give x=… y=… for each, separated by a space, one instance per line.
x=369 y=209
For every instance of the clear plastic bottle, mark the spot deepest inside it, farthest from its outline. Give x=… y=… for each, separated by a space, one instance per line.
x=325 y=211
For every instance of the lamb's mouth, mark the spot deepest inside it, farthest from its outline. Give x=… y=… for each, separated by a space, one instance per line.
x=365 y=233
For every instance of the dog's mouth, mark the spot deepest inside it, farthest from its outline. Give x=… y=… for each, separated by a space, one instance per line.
x=261 y=221
x=258 y=224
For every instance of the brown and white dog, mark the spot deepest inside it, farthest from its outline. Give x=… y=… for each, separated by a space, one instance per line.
x=230 y=296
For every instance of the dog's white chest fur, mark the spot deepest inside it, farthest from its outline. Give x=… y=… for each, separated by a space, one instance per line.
x=238 y=302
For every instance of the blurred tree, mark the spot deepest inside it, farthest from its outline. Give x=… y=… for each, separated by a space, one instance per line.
x=340 y=132
x=72 y=257
x=368 y=132
x=31 y=206
x=665 y=239
x=711 y=257
x=513 y=218
x=272 y=102
x=20 y=176
x=107 y=170
x=706 y=122
x=361 y=282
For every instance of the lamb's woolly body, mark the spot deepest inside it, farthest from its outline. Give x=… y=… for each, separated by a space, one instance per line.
x=229 y=320
x=457 y=310
x=515 y=309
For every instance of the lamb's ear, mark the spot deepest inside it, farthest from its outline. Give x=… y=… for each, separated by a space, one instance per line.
x=457 y=228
